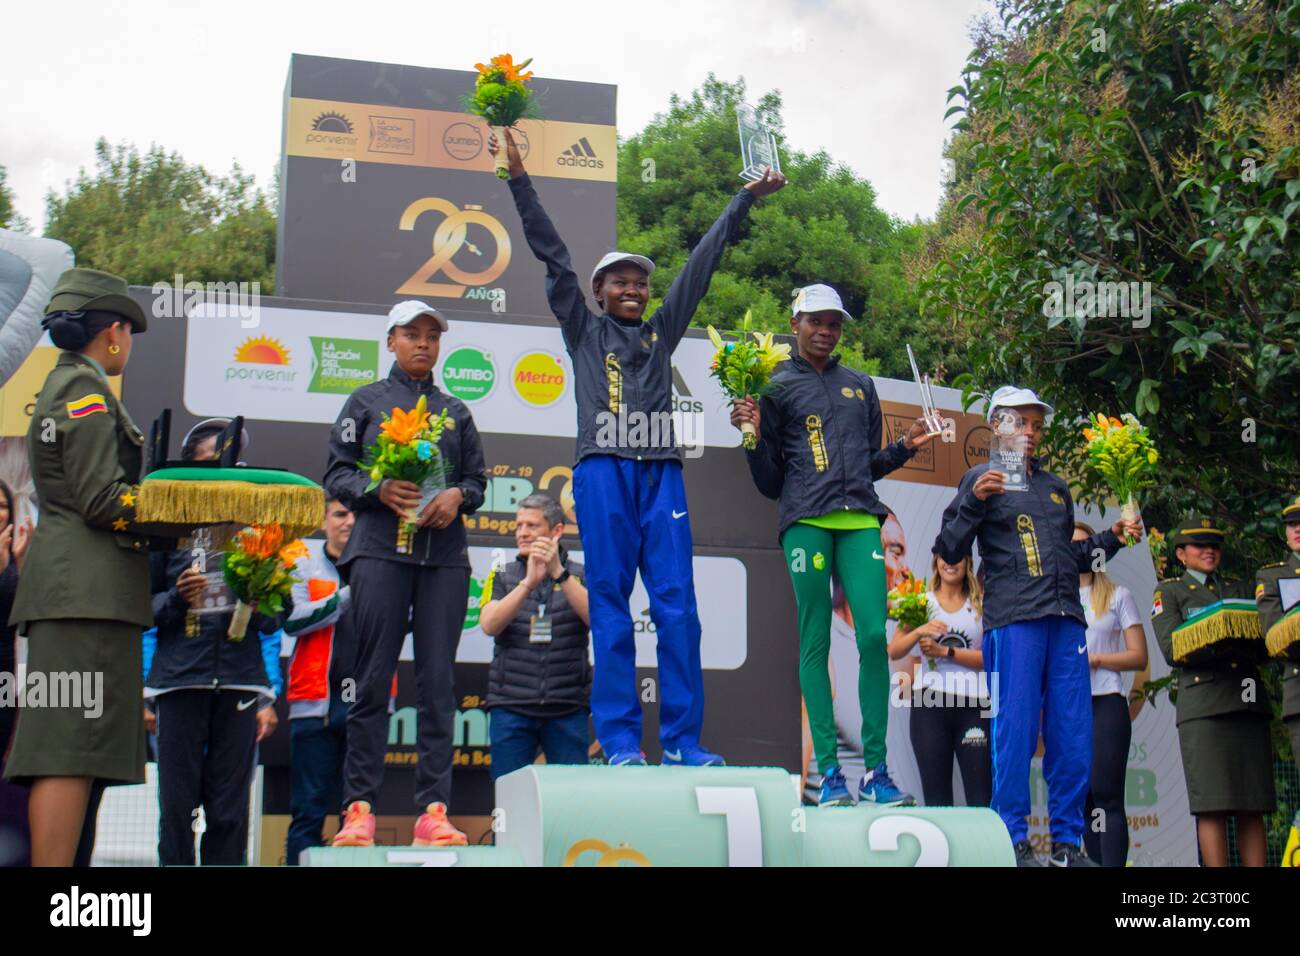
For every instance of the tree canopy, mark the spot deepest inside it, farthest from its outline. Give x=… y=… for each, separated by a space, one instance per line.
x=1149 y=143
x=147 y=217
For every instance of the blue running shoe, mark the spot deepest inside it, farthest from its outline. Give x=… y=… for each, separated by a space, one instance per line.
x=691 y=755
x=834 y=792
x=877 y=788
x=626 y=758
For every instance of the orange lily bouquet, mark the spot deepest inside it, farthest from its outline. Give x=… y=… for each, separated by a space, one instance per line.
x=1122 y=452
x=407 y=450
x=501 y=96
x=258 y=568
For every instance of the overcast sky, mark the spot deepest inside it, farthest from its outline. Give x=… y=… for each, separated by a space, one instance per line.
x=863 y=79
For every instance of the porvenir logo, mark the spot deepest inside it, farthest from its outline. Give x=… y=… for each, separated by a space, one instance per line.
x=334 y=129
x=261 y=350
x=538 y=379
x=580 y=154
x=469 y=374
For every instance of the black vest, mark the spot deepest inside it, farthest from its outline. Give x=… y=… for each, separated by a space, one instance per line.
x=539 y=675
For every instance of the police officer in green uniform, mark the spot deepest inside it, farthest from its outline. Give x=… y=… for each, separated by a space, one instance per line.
x=1272 y=605
x=1223 y=710
x=83 y=598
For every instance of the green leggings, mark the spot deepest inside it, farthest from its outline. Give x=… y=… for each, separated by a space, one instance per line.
x=858 y=562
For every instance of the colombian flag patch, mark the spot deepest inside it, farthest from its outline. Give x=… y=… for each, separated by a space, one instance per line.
x=87 y=406
x=1157 y=605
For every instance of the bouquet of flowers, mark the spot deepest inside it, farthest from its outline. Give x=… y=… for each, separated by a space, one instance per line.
x=502 y=97
x=1122 y=452
x=744 y=369
x=407 y=450
x=908 y=603
x=257 y=569
x=1158 y=546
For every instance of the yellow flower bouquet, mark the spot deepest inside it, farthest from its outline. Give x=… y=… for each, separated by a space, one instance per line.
x=1122 y=452
x=744 y=369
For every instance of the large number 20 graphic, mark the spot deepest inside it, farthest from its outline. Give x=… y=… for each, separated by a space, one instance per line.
x=739 y=807
x=448 y=238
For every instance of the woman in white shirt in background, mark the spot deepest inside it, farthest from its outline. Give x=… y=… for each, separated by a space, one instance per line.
x=1116 y=643
x=949 y=709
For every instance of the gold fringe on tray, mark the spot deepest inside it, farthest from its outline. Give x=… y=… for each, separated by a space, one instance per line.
x=298 y=508
x=1226 y=624
x=1283 y=634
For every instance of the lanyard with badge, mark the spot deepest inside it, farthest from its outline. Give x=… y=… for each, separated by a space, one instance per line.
x=539 y=625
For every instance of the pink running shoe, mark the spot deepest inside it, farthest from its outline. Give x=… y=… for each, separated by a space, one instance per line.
x=358 y=826
x=434 y=829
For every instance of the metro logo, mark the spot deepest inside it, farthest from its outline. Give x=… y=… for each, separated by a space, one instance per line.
x=538 y=379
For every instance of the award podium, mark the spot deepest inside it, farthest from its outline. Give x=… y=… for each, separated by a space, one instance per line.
x=562 y=816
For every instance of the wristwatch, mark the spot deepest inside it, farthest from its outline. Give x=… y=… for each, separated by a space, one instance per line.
x=952 y=651
x=564 y=576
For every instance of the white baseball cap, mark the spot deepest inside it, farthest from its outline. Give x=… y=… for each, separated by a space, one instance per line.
x=404 y=313
x=612 y=258
x=1013 y=396
x=818 y=298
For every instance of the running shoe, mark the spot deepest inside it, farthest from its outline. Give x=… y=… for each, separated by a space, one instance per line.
x=1025 y=855
x=358 y=826
x=434 y=829
x=877 y=787
x=834 y=792
x=691 y=755
x=1067 y=854
x=625 y=758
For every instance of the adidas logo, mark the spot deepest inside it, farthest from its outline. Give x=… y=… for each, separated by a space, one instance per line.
x=580 y=154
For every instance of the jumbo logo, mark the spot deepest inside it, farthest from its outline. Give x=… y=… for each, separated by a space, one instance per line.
x=976 y=448
x=538 y=379
x=609 y=856
x=449 y=237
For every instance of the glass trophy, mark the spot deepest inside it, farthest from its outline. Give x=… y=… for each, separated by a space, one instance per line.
x=757 y=144
x=929 y=413
x=1007 y=449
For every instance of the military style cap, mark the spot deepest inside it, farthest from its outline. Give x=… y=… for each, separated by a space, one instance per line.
x=1291 y=512
x=81 y=290
x=1198 y=529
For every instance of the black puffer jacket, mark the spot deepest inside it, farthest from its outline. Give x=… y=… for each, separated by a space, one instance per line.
x=542 y=675
x=819 y=448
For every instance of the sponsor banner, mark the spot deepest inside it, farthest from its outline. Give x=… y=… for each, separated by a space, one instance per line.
x=438 y=139
x=300 y=365
x=295 y=365
x=382 y=201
